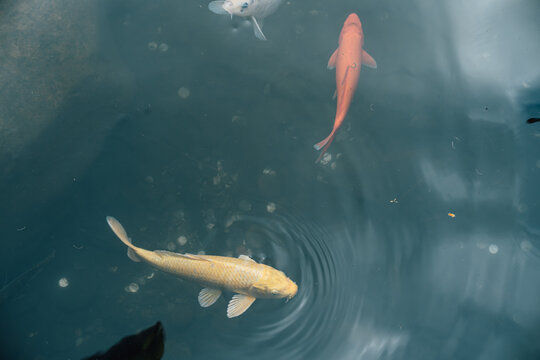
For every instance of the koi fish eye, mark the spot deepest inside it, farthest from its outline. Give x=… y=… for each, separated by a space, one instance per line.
x=245 y=5
x=274 y=292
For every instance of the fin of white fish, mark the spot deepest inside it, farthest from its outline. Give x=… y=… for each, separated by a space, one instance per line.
x=333 y=59
x=257 y=27
x=217 y=7
x=245 y=257
x=208 y=296
x=368 y=60
x=239 y=304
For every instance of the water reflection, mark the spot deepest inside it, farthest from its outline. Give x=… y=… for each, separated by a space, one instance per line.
x=206 y=134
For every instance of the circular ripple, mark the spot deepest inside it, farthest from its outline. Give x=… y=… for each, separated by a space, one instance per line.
x=299 y=328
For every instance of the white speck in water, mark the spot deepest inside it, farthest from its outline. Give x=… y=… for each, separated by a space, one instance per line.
x=163 y=47
x=132 y=288
x=493 y=249
x=152 y=45
x=201 y=252
x=210 y=226
x=182 y=240
x=63 y=282
x=269 y=171
x=333 y=165
x=150 y=276
x=171 y=246
x=327 y=157
x=183 y=92
x=235 y=118
x=271 y=207
x=525 y=245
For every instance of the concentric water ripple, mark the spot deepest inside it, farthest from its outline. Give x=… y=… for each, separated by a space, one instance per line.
x=318 y=315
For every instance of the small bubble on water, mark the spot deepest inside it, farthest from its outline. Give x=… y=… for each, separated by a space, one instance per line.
x=327 y=157
x=271 y=207
x=132 y=288
x=163 y=47
x=152 y=46
x=493 y=249
x=183 y=92
x=201 y=252
x=63 y=282
x=171 y=246
x=182 y=240
x=269 y=171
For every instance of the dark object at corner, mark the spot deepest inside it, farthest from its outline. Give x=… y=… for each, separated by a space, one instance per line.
x=533 y=120
x=147 y=344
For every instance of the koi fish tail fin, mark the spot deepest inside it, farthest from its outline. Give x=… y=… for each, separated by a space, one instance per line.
x=321 y=144
x=119 y=231
x=324 y=145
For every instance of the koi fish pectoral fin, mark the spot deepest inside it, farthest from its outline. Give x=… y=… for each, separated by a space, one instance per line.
x=239 y=304
x=208 y=296
x=217 y=7
x=257 y=27
x=333 y=59
x=368 y=60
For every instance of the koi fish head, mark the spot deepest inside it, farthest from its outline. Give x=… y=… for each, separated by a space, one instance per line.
x=238 y=7
x=274 y=284
x=352 y=23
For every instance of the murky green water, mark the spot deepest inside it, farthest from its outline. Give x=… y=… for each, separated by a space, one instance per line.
x=198 y=137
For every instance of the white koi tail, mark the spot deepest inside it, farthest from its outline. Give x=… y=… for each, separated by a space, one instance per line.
x=119 y=231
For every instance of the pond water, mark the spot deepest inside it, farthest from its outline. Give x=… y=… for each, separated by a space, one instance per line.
x=417 y=237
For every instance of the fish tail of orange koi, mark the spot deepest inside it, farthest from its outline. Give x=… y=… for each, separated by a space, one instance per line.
x=324 y=144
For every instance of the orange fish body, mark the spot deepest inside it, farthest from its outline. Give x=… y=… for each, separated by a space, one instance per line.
x=347 y=59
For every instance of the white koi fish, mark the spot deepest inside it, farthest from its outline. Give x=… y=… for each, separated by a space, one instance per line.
x=255 y=10
x=244 y=276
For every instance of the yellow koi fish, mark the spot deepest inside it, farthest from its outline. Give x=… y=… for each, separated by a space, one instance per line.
x=244 y=276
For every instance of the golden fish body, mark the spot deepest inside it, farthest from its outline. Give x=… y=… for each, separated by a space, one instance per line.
x=244 y=276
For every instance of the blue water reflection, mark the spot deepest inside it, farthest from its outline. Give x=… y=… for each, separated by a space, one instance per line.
x=419 y=237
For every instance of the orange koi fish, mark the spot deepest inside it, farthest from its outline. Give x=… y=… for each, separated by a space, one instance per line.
x=347 y=59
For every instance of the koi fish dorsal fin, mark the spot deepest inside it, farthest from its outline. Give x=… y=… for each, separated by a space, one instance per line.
x=208 y=296
x=245 y=257
x=239 y=304
x=185 y=256
x=368 y=60
x=333 y=59
x=217 y=7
